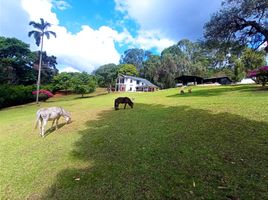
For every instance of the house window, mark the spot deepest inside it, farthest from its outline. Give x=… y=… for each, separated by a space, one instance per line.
x=130 y=89
x=130 y=80
x=122 y=80
x=138 y=82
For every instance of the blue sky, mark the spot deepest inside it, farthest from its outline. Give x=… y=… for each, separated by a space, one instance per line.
x=91 y=33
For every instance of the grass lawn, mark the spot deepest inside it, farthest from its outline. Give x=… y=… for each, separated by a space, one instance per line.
x=208 y=144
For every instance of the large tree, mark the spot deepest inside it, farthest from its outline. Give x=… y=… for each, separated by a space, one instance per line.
x=62 y=81
x=48 y=66
x=38 y=34
x=106 y=74
x=16 y=62
x=243 y=21
x=128 y=69
x=83 y=83
x=135 y=57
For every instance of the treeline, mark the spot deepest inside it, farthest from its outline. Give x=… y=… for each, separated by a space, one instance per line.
x=19 y=65
x=19 y=69
x=184 y=58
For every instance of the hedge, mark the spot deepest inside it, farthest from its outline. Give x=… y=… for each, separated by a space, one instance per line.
x=11 y=95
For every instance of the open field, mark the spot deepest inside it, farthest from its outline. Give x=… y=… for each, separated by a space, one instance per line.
x=210 y=144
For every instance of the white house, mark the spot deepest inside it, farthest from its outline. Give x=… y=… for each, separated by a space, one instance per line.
x=133 y=84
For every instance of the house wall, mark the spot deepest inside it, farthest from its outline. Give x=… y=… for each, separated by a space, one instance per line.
x=129 y=84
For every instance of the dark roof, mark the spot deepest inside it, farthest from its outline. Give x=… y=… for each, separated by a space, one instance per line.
x=217 y=79
x=199 y=80
x=146 y=82
x=187 y=78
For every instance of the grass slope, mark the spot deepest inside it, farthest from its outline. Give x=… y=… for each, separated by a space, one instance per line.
x=210 y=144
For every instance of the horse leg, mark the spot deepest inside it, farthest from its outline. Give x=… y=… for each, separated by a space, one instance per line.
x=125 y=105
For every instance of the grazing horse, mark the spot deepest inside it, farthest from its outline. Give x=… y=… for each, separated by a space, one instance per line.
x=44 y=115
x=124 y=100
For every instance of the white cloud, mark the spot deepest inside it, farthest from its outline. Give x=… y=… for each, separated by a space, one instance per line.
x=174 y=19
x=13 y=22
x=68 y=69
x=40 y=9
x=61 y=5
x=152 y=39
x=83 y=51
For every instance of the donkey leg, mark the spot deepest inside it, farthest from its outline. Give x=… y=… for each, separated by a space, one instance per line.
x=52 y=123
x=40 y=127
x=57 y=122
x=43 y=127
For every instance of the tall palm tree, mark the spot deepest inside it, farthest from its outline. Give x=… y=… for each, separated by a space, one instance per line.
x=38 y=34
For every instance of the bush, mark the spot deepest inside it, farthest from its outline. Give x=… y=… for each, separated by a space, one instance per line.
x=11 y=95
x=259 y=75
x=43 y=94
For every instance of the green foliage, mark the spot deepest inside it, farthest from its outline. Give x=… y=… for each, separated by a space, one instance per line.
x=184 y=58
x=16 y=62
x=62 y=81
x=135 y=57
x=239 y=72
x=83 y=83
x=48 y=70
x=128 y=69
x=242 y=21
x=252 y=59
x=106 y=75
x=151 y=67
x=11 y=95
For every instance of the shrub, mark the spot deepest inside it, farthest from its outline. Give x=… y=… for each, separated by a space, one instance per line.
x=11 y=95
x=259 y=75
x=43 y=94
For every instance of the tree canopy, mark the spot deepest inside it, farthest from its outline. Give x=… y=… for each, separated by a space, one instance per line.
x=106 y=74
x=83 y=83
x=16 y=62
x=135 y=57
x=128 y=69
x=242 y=21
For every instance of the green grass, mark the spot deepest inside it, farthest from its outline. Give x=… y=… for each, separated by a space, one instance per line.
x=210 y=144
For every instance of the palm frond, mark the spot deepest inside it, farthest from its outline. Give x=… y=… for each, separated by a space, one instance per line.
x=52 y=33
x=47 y=34
x=30 y=33
x=37 y=37
x=38 y=34
x=42 y=21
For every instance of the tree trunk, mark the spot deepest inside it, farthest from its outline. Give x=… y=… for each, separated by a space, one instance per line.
x=39 y=71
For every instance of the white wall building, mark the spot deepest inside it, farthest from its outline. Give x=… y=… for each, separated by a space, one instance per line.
x=132 y=84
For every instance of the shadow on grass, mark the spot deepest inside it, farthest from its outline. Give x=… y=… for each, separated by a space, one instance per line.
x=90 y=96
x=53 y=129
x=215 y=91
x=157 y=152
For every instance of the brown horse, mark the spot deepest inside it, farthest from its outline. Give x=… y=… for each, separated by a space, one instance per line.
x=124 y=100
